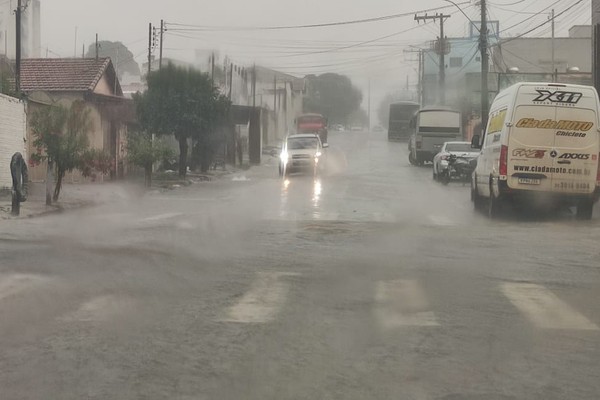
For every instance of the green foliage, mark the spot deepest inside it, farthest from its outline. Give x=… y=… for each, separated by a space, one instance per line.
x=120 y=55
x=332 y=95
x=61 y=137
x=143 y=151
x=184 y=103
x=6 y=86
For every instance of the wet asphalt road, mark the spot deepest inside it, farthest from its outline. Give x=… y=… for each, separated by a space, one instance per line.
x=370 y=282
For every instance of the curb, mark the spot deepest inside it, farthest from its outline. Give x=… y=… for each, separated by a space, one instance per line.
x=52 y=209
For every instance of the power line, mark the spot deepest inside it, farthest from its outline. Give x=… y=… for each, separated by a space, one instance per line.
x=537 y=26
x=186 y=27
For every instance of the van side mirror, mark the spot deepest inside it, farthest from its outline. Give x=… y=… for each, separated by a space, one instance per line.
x=475 y=142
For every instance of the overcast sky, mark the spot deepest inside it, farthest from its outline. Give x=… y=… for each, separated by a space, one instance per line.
x=297 y=51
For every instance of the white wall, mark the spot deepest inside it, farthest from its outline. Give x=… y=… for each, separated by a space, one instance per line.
x=12 y=135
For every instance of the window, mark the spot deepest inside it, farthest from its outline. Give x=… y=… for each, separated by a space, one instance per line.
x=456 y=62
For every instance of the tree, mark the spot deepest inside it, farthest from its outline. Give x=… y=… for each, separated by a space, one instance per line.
x=184 y=103
x=144 y=152
x=61 y=138
x=332 y=95
x=120 y=55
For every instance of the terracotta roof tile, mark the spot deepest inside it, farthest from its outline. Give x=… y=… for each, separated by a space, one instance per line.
x=62 y=74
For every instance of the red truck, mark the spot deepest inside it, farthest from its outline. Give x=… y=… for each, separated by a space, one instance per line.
x=312 y=123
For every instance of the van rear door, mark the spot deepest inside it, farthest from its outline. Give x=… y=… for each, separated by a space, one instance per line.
x=529 y=145
x=575 y=152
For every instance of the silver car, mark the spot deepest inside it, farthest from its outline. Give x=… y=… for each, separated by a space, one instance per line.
x=459 y=149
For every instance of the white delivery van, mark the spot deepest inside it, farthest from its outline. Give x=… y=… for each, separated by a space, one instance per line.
x=541 y=145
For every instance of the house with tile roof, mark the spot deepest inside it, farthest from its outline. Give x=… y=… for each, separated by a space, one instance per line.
x=49 y=81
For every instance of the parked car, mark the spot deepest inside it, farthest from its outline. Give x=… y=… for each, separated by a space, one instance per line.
x=302 y=153
x=377 y=128
x=441 y=160
x=356 y=128
x=541 y=145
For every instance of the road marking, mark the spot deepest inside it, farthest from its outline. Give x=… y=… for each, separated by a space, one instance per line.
x=162 y=216
x=383 y=217
x=402 y=303
x=440 y=220
x=101 y=308
x=13 y=284
x=263 y=301
x=544 y=309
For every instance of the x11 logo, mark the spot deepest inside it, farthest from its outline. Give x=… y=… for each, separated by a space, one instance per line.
x=558 y=96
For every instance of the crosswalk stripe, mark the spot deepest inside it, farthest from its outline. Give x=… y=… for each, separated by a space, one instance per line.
x=162 y=217
x=101 y=308
x=263 y=301
x=440 y=220
x=544 y=309
x=402 y=303
x=13 y=284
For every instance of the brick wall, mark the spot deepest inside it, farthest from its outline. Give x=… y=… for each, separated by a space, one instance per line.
x=12 y=135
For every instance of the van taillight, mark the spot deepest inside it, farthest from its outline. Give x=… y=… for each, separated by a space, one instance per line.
x=503 y=169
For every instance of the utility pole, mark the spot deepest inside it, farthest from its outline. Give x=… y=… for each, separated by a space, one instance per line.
x=483 y=47
x=230 y=80
x=369 y=106
x=212 y=67
x=441 y=48
x=18 y=48
x=97 y=47
x=596 y=43
x=149 y=49
x=420 y=72
x=554 y=77
x=75 y=45
x=162 y=31
x=254 y=86
x=421 y=76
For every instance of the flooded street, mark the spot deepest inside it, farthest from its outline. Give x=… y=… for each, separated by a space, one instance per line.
x=370 y=281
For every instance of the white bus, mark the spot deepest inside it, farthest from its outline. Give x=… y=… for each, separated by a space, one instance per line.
x=433 y=127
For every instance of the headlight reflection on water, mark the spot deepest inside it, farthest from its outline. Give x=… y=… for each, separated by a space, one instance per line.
x=317 y=189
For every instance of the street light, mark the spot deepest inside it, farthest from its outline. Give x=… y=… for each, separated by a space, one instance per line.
x=463 y=13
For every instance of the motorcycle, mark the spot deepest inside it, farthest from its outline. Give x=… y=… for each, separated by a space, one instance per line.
x=459 y=167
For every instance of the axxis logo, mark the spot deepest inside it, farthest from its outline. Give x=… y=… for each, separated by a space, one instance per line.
x=574 y=156
x=571 y=156
x=529 y=153
x=558 y=96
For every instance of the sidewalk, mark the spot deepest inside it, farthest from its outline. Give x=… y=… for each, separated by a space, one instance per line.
x=78 y=195
x=72 y=196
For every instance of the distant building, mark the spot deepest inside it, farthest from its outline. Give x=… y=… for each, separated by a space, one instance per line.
x=30 y=33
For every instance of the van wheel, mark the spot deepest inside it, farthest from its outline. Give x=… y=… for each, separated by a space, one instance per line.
x=585 y=209
x=495 y=205
x=476 y=198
